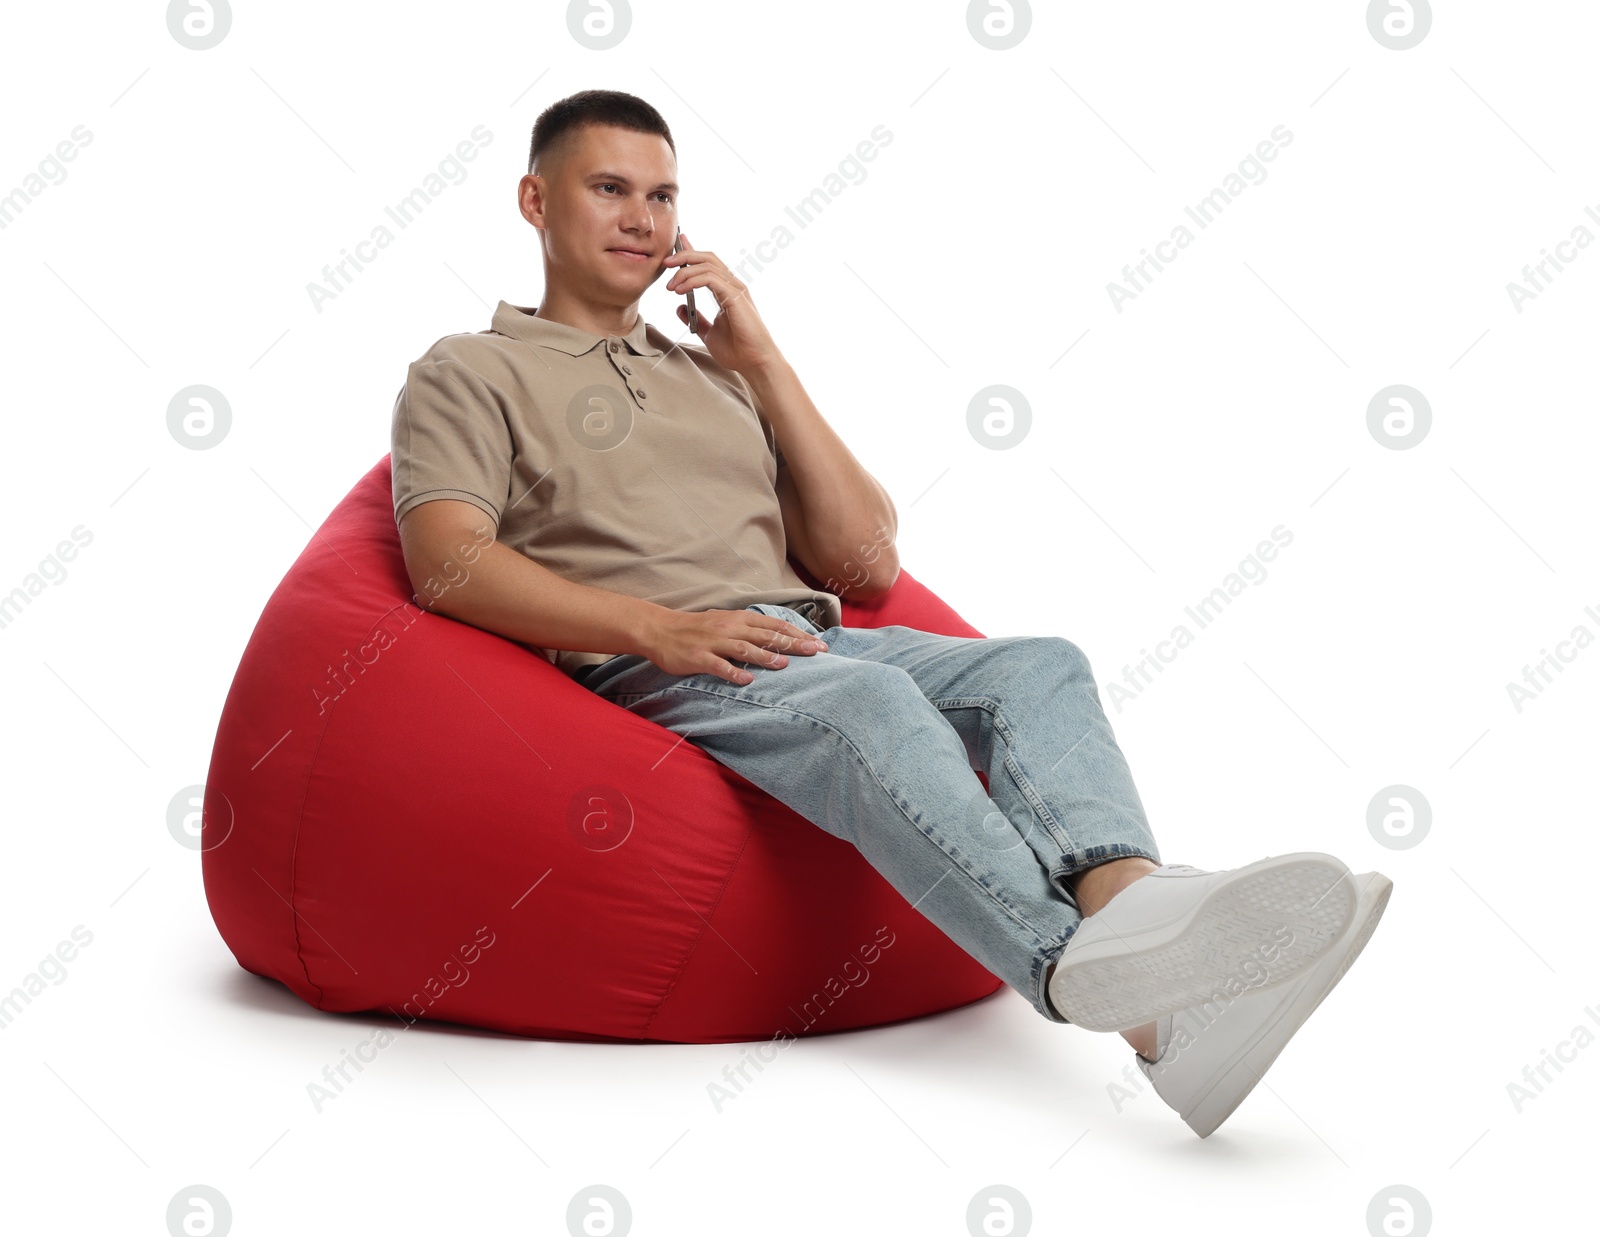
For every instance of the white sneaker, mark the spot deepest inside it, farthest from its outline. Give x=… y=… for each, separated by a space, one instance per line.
x=1179 y=934
x=1209 y=1057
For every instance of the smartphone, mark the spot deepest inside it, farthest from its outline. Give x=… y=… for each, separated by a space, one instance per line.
x=694 y=320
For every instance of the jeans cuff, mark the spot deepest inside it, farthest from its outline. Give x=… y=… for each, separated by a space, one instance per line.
x=1042 y=962
x=1087 y=857
x=1092 y=856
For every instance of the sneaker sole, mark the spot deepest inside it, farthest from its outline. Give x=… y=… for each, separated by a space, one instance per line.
x=1119 y=982
x=1236 y=1081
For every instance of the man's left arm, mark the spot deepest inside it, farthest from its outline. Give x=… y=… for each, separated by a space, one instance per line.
x=837 y=517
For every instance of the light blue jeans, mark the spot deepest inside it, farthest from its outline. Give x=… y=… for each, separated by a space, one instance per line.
x=876 y=741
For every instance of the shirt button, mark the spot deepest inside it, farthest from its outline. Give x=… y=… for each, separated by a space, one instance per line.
x=626 y=370
x=639 y=391
x=613 y=345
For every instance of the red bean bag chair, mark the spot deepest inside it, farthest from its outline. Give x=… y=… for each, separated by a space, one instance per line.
x=407 y=813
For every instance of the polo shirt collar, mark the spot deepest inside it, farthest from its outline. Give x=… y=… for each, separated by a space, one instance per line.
x=523 y=323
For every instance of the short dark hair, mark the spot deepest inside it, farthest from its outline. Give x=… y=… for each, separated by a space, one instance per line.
x=562 y=119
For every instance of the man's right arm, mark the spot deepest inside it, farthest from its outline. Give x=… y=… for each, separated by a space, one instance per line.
x=458 y=569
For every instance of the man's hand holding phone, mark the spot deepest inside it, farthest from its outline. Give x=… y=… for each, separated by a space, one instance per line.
x=737 y=338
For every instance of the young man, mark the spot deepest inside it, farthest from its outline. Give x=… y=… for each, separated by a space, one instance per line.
x=639 y=497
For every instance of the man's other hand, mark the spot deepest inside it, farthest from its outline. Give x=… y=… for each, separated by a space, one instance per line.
x=710 y=641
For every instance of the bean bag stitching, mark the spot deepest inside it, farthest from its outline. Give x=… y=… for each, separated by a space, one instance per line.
x=695 y=948
x=299 y=824
x=311 y=768
x=294 y=857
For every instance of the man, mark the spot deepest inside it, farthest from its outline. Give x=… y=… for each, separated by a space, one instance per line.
x=638 y=499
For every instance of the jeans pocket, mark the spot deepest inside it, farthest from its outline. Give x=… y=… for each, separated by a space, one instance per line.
x=595 y=677
x=799 y=617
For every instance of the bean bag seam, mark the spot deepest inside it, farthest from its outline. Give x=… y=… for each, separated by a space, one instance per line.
x=294 y=856
x=727 y=877
x=299 y=824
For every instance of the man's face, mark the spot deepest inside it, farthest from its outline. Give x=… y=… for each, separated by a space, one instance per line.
x=611 y=197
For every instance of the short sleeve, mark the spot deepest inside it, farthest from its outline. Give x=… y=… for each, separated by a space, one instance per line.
x=449 y=439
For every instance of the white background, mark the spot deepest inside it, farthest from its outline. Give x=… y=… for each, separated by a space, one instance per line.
x=1228 y=398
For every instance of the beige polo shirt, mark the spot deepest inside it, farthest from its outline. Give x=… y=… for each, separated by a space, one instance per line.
x=624 y=462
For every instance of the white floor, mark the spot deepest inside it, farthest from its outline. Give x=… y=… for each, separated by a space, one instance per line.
x=157 y=1064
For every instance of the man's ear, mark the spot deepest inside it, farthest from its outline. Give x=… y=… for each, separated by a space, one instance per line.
x=530 y=199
